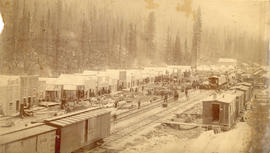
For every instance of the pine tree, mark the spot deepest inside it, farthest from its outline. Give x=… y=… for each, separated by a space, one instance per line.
x=197 y=28
x=150 y=30
x=186 y=54
x=168 y=48
x=177 y=50
x=58 y=33
x=132 y=42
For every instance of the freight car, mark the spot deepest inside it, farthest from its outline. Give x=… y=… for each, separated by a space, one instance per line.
x=36 y=138
x=247 y=93
x=60 y=134
x=89 y=127
x=220 y=110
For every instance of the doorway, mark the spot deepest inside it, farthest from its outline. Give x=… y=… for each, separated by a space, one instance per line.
x=17 y=105
x=215 y=112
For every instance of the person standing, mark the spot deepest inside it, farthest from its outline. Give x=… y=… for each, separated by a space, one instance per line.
x=186 y=93
x=114 y=118
x=115 y=104
x=166 y=98
x=139 y=104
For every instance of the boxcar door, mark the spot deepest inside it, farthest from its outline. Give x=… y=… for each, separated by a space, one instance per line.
x=215 y=112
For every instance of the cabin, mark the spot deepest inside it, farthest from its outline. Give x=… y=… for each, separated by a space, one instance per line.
x=52 y=90
x=29 y=85
x=122 y=82
x=113 y=79
x=220 y=110
x=73 y=86
x=227 y=62
x=103 y=83
x=9 y=95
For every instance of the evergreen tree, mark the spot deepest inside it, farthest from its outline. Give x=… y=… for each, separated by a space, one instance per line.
x=168 y=48
x=132 y=42
x=186 y=54
x=177 y=51
x=196 y=39
x=150 y=30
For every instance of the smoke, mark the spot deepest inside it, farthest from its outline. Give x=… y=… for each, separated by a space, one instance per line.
x=1 y=24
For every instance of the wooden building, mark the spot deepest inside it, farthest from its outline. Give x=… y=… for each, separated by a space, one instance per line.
x=9 y=95
x=29 y=85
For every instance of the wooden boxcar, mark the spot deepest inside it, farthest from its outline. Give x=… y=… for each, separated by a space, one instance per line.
x=250 y=86
x=246 y=91
x=239 y=101
x=220 y=110
x=80 y=129
x=37 y=138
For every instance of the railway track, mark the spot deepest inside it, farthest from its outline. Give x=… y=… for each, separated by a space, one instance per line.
x=135 y=111
x=120 y=134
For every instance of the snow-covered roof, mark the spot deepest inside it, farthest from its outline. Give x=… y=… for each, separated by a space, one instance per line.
x=90 y=72
x=49 y=80
x=5 y=79
x=235 y=92
x=224 y=98
x=241 y=87
x=72 y=79
x=227 y=60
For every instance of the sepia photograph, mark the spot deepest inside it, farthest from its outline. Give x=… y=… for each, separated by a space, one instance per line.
x=134 y=76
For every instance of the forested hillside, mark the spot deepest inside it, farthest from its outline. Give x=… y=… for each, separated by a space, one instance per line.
x=49 y=37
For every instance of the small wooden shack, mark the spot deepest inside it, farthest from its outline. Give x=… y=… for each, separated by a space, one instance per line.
x=37 y=138
x=220 y=110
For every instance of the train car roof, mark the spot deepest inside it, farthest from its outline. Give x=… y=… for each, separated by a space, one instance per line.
x=24 y=133
x=236 y=92
x=72 y=114
x=66 y=121
x=241 y=87
x=224 y=98
x=245 y=84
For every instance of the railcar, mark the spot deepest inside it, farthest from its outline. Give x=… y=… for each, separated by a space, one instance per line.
x=66 y=133
x=220 y=111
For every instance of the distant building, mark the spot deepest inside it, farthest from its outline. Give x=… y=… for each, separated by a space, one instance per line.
x=227 y=61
